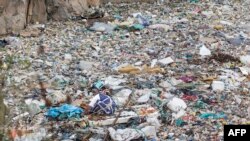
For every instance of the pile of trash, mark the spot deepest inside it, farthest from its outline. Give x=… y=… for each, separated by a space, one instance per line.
x=162 y=71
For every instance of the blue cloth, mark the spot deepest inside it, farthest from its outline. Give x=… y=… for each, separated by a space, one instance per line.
x=105 y=105
x=65 y=111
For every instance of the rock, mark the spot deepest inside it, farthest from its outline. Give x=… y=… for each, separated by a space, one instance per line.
x=62 y=10
x=30 y=32
x=13 y=16
x=94 y=3
x=37 y=12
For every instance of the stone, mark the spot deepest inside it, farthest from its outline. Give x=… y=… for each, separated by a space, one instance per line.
x=94 y=3
x=30 y=32
x=13 y=15
x=62 y=10
x=37 y=12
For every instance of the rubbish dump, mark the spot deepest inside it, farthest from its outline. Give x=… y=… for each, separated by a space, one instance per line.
x=168 y=70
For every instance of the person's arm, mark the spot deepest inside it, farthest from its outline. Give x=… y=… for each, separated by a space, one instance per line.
x=94 y=100
x=88 y=107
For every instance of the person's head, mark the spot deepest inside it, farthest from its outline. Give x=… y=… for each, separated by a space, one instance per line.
x=95 y=91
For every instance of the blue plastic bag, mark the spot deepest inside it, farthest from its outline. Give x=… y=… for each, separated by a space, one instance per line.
x=64 y=111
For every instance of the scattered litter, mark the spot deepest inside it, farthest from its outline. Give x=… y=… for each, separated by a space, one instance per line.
x=167 y=70
x=245 y=60
x=245 y=70
x=34 y=106
x=160 y=27
x=213 y=116
x=166 y=61
x=124 y=134
x=176 y=104
x=218 y=86
x=204 y=51
x=218 y=27
x=122 y=96
x=102 y=27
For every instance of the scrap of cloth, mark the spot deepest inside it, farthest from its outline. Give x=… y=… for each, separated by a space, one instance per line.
x=102 y=104
x=65 y=111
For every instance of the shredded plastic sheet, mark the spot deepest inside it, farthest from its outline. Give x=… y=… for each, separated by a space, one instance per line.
x=65 y=111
